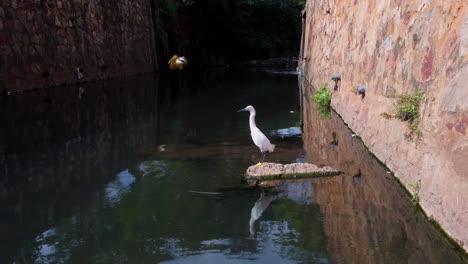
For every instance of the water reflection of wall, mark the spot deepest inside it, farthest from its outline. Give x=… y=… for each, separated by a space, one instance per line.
x=368 y=217
x=60 y=145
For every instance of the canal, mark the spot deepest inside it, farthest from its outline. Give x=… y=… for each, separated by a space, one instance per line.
x=149 y=170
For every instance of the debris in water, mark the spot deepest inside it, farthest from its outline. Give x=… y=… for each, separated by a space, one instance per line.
x=209 y=193
x=162 y=148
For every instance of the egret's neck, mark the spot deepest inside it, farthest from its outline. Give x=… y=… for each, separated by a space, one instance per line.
x=252 y=120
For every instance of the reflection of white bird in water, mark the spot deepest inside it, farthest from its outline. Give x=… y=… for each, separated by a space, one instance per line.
x=79 y=72
x=260 y=140
x=257 y=210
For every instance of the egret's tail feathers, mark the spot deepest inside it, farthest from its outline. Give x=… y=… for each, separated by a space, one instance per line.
x=272 y=148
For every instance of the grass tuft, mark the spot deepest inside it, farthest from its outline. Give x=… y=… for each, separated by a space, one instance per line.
x=416 y=187
x=322 y=99
x=407 y=108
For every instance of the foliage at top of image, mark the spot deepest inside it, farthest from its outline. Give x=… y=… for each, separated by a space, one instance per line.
x=406 y=108
x=322 y=99
x=244 y=29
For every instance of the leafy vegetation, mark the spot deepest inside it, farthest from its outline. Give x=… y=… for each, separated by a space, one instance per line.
x=236 y=29
x=407 y=108
x=415 y=186
x=322 y=99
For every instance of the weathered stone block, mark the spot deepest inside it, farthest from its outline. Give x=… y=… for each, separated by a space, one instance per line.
x=276 y=171
x=10 y=13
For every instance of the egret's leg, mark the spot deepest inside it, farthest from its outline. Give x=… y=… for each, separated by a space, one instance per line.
x=263 y=156
x=261 y=159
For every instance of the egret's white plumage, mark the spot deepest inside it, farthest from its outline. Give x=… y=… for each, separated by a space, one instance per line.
x=259 y=139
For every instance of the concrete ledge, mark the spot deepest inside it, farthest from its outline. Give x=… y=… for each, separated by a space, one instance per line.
x=277 y=171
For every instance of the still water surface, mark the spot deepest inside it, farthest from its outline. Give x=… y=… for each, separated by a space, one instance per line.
x=150 y=171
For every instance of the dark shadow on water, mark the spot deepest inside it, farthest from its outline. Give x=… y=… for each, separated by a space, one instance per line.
x=60 y=146
x=84 y=178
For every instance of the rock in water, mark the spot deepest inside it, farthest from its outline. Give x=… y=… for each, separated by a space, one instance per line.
x=276 y=171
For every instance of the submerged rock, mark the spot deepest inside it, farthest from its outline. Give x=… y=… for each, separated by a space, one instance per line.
x=276 y=171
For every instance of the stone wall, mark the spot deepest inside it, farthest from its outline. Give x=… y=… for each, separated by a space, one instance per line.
x=393 y=47
x=367 y=216
x=43 y=43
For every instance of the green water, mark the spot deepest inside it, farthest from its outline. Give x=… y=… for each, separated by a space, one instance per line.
x=149 y=170
x=148 y=206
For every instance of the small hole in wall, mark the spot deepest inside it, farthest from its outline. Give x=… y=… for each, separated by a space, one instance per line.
x=337 y=79
x=328 y=11
x=335 y=140
x=361 y=90
x=357 y=178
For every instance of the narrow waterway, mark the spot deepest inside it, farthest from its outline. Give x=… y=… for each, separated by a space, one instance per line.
x=149 y=170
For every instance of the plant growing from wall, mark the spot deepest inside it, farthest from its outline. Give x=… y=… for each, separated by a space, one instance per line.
x=322 y=99
x=407 y=108
x=415 y=188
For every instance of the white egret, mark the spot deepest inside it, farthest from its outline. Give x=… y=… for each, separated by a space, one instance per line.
x=259 y=139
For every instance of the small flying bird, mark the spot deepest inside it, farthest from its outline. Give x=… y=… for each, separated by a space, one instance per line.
x=259 y=139
x=177 y=63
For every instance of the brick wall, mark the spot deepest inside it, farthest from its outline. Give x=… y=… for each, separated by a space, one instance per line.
x=43 y=42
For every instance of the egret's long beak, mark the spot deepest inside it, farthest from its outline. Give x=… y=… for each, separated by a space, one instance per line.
x=243 y=109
